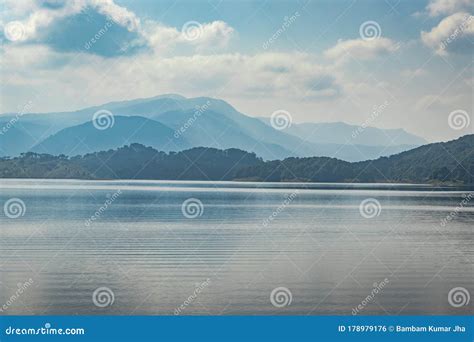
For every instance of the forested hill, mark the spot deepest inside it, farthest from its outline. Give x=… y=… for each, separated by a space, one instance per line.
x=450 y=162
x=132 y=162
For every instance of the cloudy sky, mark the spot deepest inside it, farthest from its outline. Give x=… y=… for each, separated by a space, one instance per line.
x=409 y=62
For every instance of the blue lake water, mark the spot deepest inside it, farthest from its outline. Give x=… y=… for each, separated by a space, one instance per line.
x=233 y=248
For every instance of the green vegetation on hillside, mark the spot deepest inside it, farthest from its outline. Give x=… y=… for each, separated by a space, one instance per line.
x=450 y=162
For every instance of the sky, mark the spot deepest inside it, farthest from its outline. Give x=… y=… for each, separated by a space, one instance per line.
x=382 y=63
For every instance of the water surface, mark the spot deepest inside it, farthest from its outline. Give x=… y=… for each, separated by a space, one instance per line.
x=246 y=240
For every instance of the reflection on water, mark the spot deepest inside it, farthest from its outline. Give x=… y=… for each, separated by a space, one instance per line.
x=240 y=243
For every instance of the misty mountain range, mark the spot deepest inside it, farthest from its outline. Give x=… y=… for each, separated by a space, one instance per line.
x=175 y=123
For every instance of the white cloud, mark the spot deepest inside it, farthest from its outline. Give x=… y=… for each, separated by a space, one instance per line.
x=204 y=37
x=445 y=7
x=361 y=49
x=452 y=34
x=414 y=73
x=285 y=75
x=437 y=101
x=119 y=14
x=33 y=17
x=215 y=35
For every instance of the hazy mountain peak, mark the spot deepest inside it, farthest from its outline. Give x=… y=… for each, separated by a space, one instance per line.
x=93 y=136
x=168 y=96
x=344 y=133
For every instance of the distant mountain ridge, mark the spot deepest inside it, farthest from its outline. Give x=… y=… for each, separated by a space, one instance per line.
x=86 y=138
x=338 y=132
x=215 y=123
x=451 y=162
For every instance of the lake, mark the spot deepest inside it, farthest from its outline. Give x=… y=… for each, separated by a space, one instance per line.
x=226 y=248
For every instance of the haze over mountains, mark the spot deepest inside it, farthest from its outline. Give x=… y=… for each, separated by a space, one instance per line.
x=174 y=123
x=332 y=132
